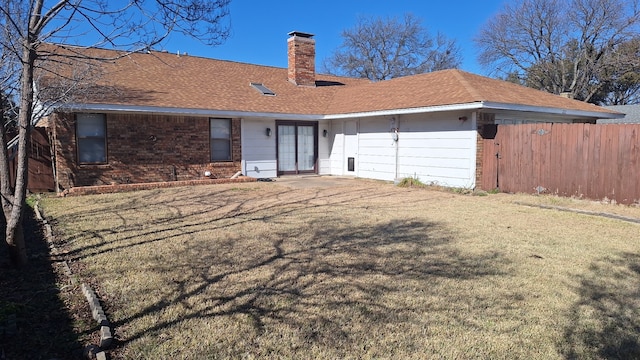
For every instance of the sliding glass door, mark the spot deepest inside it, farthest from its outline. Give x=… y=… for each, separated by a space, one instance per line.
x=297 y=147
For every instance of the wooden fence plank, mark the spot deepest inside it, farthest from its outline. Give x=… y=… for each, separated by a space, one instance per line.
x=628 y=178
x=612 y=164
x=556 y=138
x=587 y=166
x=489 y=164
x=583 y=160
x=597 y=159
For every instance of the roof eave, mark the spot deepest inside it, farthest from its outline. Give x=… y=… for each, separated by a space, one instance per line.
x=552 y=110
x=416 y=110
x=111 y=108
x=289 y=116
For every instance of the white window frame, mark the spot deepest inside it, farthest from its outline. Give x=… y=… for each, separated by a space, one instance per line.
x=218 y=138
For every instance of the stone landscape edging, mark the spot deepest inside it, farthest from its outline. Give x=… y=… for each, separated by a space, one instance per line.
x=106 y=337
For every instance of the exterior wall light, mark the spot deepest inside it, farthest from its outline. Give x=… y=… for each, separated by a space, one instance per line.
x=324 y=133
x=268 y=131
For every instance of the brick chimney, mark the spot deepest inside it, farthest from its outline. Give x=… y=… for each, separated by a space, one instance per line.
x=301 y=51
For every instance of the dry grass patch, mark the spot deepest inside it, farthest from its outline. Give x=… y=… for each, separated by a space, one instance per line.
x=367 y=270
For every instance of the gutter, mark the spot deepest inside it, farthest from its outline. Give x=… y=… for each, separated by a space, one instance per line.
x=552 y=110
x=156 y=110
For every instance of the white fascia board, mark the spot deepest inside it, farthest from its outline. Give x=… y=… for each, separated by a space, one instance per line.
x=184 y=111
x=550 y=110
x=480 y=105
x=314 y=117
x=418 y=110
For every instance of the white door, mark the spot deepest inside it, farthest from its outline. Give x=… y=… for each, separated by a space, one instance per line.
x=350 y=148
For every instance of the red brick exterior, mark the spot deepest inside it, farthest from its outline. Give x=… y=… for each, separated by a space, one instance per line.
x=482 y=119
x=301 y=53
x=143 y=149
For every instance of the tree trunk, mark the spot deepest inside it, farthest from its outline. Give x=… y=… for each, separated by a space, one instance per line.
x=14 y=231
x=17 y=249
x=6 y=191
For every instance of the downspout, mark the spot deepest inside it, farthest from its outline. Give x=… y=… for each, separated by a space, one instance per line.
x=474 y=171
x=395 y=127
x=243 y=163
x=52 y=151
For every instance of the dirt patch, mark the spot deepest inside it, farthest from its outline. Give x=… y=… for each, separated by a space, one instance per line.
x=41 y=314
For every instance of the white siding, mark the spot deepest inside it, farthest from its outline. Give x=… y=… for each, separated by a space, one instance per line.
x=258 y=149
x=376 y=150
x=324 y=148
x=436 y=148
x=336 y=147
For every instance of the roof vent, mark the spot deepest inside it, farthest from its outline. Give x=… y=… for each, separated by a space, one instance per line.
x=263 y=89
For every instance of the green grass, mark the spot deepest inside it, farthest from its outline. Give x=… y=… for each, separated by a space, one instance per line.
x=367 y=270
x=411 y=182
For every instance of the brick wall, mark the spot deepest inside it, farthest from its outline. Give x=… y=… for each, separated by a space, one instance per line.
x=482 y=120
x=301 y=52
x=143 y=148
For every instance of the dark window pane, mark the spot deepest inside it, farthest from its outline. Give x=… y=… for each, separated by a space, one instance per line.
x=220 y=139
x=91 y=132
x=220 y=150
x=92 y=150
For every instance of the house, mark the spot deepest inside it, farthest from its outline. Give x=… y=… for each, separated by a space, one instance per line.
x=632 y=114
x=157 y=116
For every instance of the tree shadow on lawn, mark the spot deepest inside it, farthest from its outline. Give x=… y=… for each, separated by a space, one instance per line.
x=34 y=321
x=605 y=322
x=320 y=279
x=344 y=275
x=234 y=212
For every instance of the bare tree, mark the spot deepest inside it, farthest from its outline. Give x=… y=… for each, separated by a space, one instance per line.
x=27 y=28
x=560 y=46
x=385 y=48
x=621 y=75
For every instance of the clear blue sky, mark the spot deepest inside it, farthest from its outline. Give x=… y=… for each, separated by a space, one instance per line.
x=259 y=28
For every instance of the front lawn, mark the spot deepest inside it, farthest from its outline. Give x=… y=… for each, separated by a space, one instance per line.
x=365 y=270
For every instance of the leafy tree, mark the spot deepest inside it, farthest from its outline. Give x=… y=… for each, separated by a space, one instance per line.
x=622 y=69
x=575 y=46
x=27 y=27
x=385 y=48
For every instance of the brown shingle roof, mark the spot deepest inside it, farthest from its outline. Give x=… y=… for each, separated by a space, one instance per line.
x=159 y=79
x=447 y=87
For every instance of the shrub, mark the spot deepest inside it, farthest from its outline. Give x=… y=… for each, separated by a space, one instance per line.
x=411 y=182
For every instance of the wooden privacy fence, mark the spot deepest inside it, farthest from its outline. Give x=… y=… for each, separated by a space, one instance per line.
x=596 y=161
x=40 y=165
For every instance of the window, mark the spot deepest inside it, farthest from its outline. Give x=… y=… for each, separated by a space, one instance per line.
x=91 y=134
x=220 y=139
